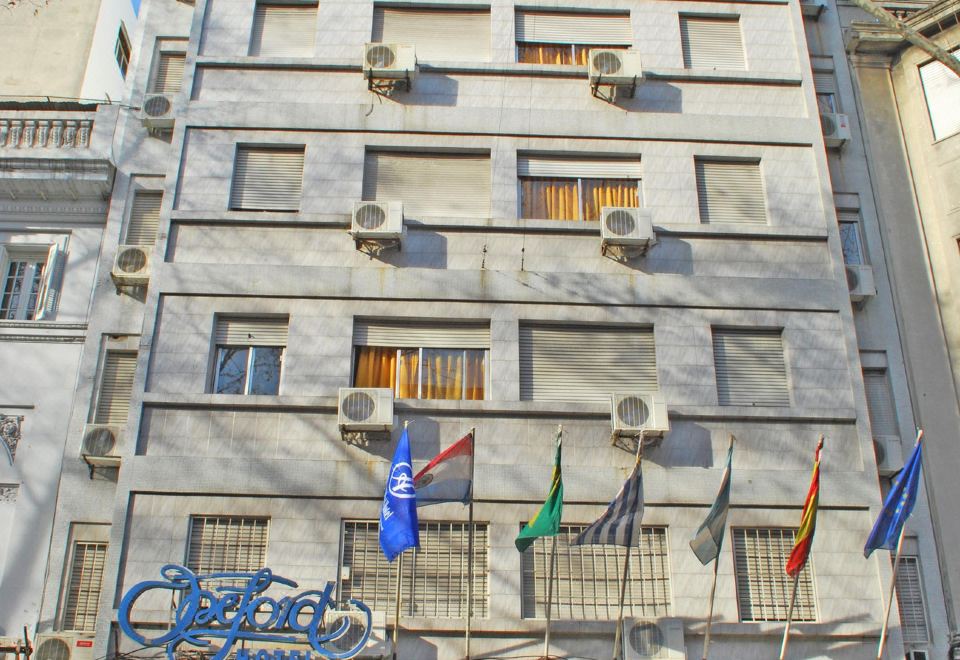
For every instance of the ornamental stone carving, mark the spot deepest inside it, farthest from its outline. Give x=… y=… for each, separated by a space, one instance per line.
x=10 y=434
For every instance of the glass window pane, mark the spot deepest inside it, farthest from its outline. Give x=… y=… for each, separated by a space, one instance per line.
x=850 y=243
x=408 y=373
x=544 y=53
x=598 y=193
x=265 y=378
x=31 y=309
x=827 y=103
x=376 y=367
x=11 y=290
x=231 y=370
x=549 y=199
x=442 y=374
x=475 y=376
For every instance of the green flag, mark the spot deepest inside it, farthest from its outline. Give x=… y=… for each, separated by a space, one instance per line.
x=547 y=520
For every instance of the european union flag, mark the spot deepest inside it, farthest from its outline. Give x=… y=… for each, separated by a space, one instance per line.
x=897 y=507
x=399 y=527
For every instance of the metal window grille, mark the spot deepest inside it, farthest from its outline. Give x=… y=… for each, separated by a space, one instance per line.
x=434 y=577
x=86 y=579
x=913 y=612
x=750 y=368
x=763 y=586
x=227 y=544
x=587 y=578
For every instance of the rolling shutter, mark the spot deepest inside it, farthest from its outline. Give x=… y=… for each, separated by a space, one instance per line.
x=116 y=387
x=730 y=192
x=437 y=34
x=169 y=73
x=610 y=168
x=429 y=184
x=421 y=335
x=913 y=615
x=284 y=30
x=711 y=43
x=573 y=28
x=824 y=82
x=267 y=179
x=941 y=87
x=144 y=218
x=883 y=414
x=86 y=581
x=241 y=331
x=750 y=368
x=585 y=363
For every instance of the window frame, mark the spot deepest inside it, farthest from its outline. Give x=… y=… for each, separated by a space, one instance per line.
x=685 y=45
x=26 y=253
x=250 y=348
x=933 y=128
x=754 y=333
x=580 y=198
x=420 y=349
x=166 y=47
x=74 y=590
x=921 y=592
x=779 y=572
x=188 y=550
x=856 y=228
x=572 y=47
x=122 y=51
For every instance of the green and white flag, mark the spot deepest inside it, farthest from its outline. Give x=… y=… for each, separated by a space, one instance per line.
x=547 y=520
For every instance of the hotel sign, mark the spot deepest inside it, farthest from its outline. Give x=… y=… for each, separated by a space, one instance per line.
x=237 y=611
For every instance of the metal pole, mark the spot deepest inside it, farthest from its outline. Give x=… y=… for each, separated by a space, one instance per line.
x=713 y=591
x=893 y=586
x=786 y=631
x=618 y=636
x=553 y=558
x=396 y=611
x=473 y=450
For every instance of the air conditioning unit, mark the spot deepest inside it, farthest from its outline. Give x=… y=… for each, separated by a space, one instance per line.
x=610 y=66
x=860 y=282
x=377 y=646
x=365 y=409
x=889 y=454
x=101 y=444
x=627 y=226
x=157 y=111
x=377 y=221
x=812 y=8
x=639 y=413
x=131 y=266
x=63 y=646
x=653 y=638
x=389 y=61
x=836 y=129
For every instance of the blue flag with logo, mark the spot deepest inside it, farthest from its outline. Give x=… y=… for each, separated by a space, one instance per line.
x=399 y=527
x=897 y=507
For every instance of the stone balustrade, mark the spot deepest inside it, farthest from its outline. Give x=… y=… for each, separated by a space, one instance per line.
x=27 y=133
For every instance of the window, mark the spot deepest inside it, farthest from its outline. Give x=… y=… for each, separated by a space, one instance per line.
x=122 y=50
x=116 y=387
x=585 y=363
x=85 y=582
x=763 y=586
x=567 y=189
x=429 y=184
x=587 y=577
x=144 y=218
x=422 y=361
x=851 y=241
x=913 y=612
x=709 y=42
x=168 y=73
x=435 y=577
x=28 y=272
x=730 y=191
x=283 y=30
x=750 y=367
x=249 y=355
x=267 y=179
x=941 y=88
x=880 y=404
x=825 y=85
x=437 y=33
x=566 y=38
x=227 y=544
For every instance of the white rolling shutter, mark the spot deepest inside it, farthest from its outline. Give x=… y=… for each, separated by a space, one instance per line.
x=86 y=581
x=283 y=30
x=437 y=34
x=750 y=368
x=824 y=82
x=420 y=335
x=941 y=87
x=267 y=179
x=550 y=27
x=913 y=614
x=609 y=168
x=144 y=218
x=730 y=192
x=446 y=185
x=169 y=73
x=116 y=387
x=247 y=331
x=711 y=43
x=883 y=413
x=585 y=363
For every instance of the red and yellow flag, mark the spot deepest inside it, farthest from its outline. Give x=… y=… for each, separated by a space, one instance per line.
x=808 y=521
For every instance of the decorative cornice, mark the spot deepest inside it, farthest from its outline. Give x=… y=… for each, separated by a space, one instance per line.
x=48 y=325
x=44 y=339
x=93 y=208
x=10 y=434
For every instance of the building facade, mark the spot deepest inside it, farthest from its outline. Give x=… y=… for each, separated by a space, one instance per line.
x=238 y=292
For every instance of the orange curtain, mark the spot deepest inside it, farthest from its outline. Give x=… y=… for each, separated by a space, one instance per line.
x=598 y=193
x=447 y=373
x=409 y=374
x=581 y=54
x=549 y=199
x=545 y=54
x=376 y=367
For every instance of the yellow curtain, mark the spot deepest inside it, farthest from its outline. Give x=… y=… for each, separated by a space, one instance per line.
x=474 y=375
x=598 y=193
x=545 y=54
x=376 y=367
x=447 y=373
x=581 y=54
x=409 y=374
x=549 y=199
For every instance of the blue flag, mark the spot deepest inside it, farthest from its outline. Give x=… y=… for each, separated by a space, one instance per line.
x=399 y=527
x=897 y=507
x=708 y=540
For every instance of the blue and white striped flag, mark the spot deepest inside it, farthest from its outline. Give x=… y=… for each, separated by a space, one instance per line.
x=709 y=538
x=620 y=525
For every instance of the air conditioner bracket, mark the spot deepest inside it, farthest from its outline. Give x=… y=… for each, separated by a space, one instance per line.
x=376 y=247
x=100 y=462
x=628 y=441
x=610 y=91
x=364 y=438
x=623 y=253
x=388 y=86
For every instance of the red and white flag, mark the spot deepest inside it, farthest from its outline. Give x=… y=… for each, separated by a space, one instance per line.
x=449 y=476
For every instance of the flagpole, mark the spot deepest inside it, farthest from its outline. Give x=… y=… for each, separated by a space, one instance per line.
x=893 y=586
x=618 y=635
x=396 y=609
x=553 y=560
x=473 y=462
x=713 y=591
x=786 y=631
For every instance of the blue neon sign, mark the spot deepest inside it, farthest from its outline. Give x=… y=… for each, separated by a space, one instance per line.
x=242 y=613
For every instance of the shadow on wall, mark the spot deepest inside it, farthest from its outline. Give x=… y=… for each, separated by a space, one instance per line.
x=429 y=90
